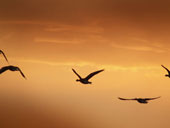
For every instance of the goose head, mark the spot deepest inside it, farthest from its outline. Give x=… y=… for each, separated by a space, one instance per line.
x=167 y=75
x=78 y=80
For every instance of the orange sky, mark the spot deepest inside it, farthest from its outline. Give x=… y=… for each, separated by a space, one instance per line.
x=129 y=39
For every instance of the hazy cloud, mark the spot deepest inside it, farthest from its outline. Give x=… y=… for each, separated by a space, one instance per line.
x=41 y=40
x=83 y=29
x=141 y=48
x=108 y=67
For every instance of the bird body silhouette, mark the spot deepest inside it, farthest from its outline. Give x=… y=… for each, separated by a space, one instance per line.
x=11 y=68
x=86 y=79
x=167 y=75
x=140 y=100
x=1 y=52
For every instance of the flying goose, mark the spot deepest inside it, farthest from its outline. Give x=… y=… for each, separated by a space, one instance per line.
x=140 y=100
x=167 y=75
x=86 y=79
x=1 y=52
x=11 y=68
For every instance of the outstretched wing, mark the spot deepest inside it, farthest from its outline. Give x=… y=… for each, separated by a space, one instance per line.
x=125 y=99
x=152 y=98
x=76 y=73
x=166 y=69
x=4 y=55
x=21 y=73
x=93 y=73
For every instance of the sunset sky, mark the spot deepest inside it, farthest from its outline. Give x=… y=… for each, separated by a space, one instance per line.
x=47 y=38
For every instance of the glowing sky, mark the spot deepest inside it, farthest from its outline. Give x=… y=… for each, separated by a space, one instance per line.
x=128 y=38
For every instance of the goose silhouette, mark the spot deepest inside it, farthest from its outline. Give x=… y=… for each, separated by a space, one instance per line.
x=140 y=100
x=1 y=52
x=86 y=79
x=167 y=75
x=11 y=68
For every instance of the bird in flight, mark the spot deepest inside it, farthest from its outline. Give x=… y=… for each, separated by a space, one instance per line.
x=86 y=79
x=167 y=75
x=1 y=52
x=11 y=68
x=140 y=100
